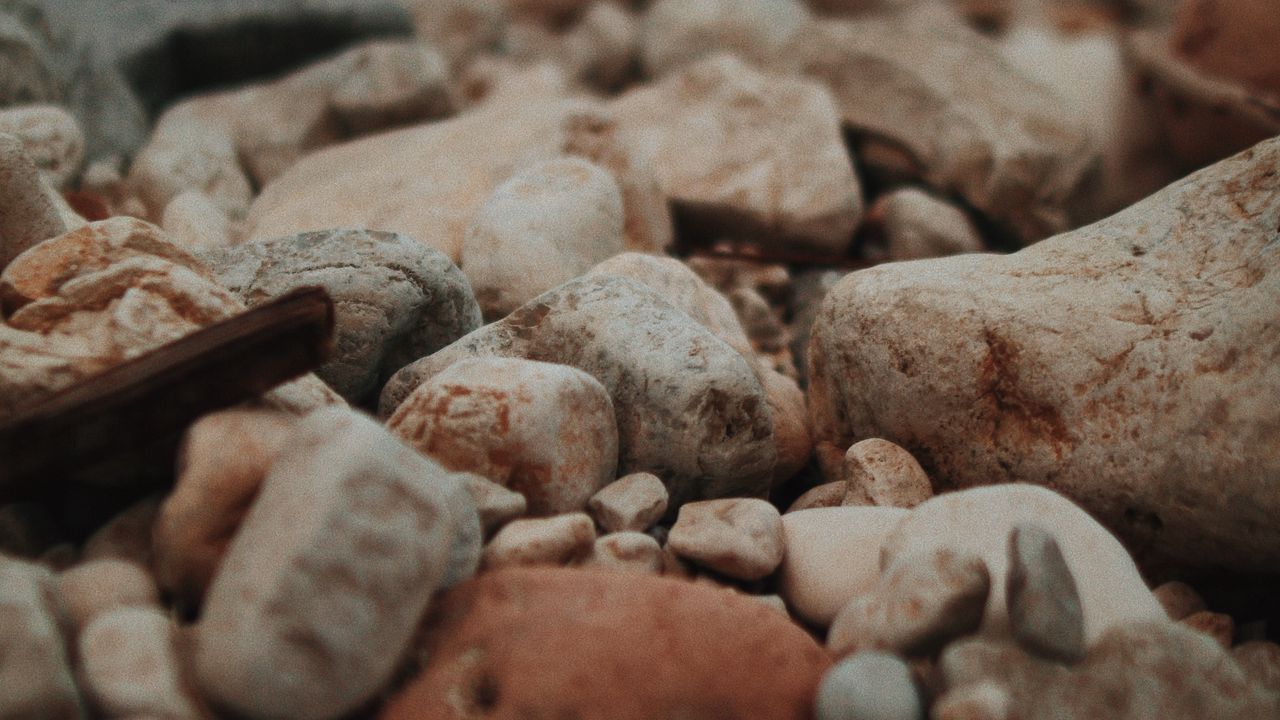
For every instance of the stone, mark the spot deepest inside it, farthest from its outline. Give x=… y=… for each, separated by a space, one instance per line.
x=1179 y=599
x=879 y=472
x=555 y=540
x=633 y=503
x=461 y=29
x=1041 y=595
x=98 y=587
x=747 y=154
x=920 y=603
x=34 y=670
x=50 y=136
x=821 y=496
x=543 y=430
x=626 y=551
x=27 y=68
x=738 y=537
x=547 y=224
x=932 y=100
x=918 y=225
x=395 y=300
x=1218 y=626
x=832 y=556
x=1260 y=660
x=764 y=327
x=868 y=686
x=130 y=665
x=195 y=222
x=496 y=504
x=1155 y=398
x=603 y=647
x=679 y=32
x=125 y=537
x=222 y=462
x=603 y=48
x=27 y=214
x=979 y=701
x=688 y=407
x=320 y=590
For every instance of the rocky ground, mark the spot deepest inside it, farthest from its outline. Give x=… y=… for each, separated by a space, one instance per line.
x=654 y=359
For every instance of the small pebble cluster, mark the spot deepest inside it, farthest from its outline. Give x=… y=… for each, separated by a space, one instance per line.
x=683 y=359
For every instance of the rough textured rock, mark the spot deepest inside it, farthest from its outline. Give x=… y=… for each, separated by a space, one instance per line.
x=688 y=407
x=633 y=502
x=130 y=666
x=868 y=686
x=547 y=224
x=395 y=300
x=603 y=648
x=934 y=100
x=738 y=537
x=627 y=551
x=979 y=521
x=1044 y=605
x=1124 y=364
x=34 y=671
x=918 y=225
x=27 y=214
x=832 y=556
x=222 y=462
x=50 y=137
x=98 y=587
x=747 y=154
x=921 y=602
x=321 y=588
x=556 y=540
x=878 y=472
x=678 y=32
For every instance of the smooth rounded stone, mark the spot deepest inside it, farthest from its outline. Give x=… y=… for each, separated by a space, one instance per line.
x=604 y=646
x=320 y=590
x=127 y=536
x=918 y=225
x=34 y=670
x=738 y=537
x=626 y=551
x=391 y=84
x=821 y=496
x=547 y=224
x=980 y=520
x=688 y=407
x=1001 y=141
x=543 y=430
x=980 y=701
x=222 y=462
x=555 y=540
x=395 y=299
x=1218 y=626
x=50 y=137
x=868 y=686
x=678 y=32
x=1260 y=660
x=633 y=502
x=747 y=154
x=496 y=504
x=879 y=472
x=98 y=587
x=129 y=665
x=195 y=222
x=27 y=214
x=603 y=48
x=1041 y=594
x=1179 y=599
x=832 y=556
x=1123 y=364
x=921 y=602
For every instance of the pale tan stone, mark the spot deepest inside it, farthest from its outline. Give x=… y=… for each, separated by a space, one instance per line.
x=34 y=670
x=633 y=502
x=27 y=214
x=878 y=472
x=627 y=551
x=738 y=537
x=820 y=496
x=50 y=136
x=130 y=666
x=98 y=587
x=678 y=32
x=555 y=540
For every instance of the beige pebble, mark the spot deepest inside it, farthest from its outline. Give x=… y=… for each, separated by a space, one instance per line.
x=556 y=540
x=879 y=472
x=35 y=677
x=822 y=496
x=129 y=666
x=195 y=222
x=101 y=586
x=496 y=504
x=1261 y=662
x=738 y=537
x=1218 y=626
x=632 y=502
x=1179 y=599
x=50 y=136
x=627 y=551
x=979 y=701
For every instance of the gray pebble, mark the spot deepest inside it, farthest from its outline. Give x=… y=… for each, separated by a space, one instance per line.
x=1044 y=604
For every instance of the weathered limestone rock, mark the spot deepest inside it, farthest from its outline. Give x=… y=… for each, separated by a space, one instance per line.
x=394 y=299
x=877 y=472
x=545 y=431
x=50 y=137
x=1126 y=364
x=632 y=503
x=34 y=671
x=678 y=32
x=738 y=537
x=688 y=407
x=740 y=152
x=27 y=214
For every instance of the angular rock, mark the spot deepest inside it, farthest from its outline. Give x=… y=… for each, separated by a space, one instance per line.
x=50 y=137
x=679 y=32
x=878 y=472
x=34 y=670
x=545 y=431
x=321 y=588
x=738 y=537
x=395 y=300
x=1044 y=605
x=496 y=504
x=1124 y=364
x=27 y=214
x=632 y=503
x=547 y=224
x=688 y=407
x=918 y=225
x=743 y=153
x=627 y=551
x=868 y=686
x=602 y=648
x=556 y=540
x=101 y=586
x=130 y=666
x=920 y=603
x=934 y=100
x=27 y=68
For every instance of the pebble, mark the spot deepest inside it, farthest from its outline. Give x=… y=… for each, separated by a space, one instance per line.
x=868 y=686
x=980 y=701
x=29 y=75
x=555 y=540
x=331 y=570
x=27 y=214
x=918 y=225
x=1218 y=626
x=879 y=472
x=98 y=587
x=627 y=551
x=129 y=665
x=34 y=670
x=195 y=223
x=738 y=537
x=678 y=32
x=50 y=137
x=921 y=602
x=1044 y=605
x=496 y=504
x=821 y=496
x=1261 y=662
x=543 y=430
x=633 y=502
x=1179 y=599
